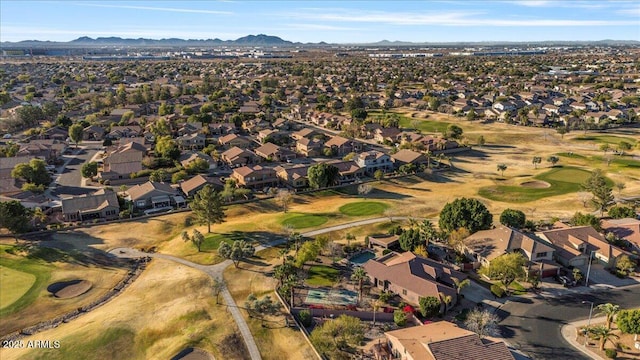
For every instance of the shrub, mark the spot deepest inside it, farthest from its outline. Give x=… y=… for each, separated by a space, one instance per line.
x=305 y=318
x=399 y=317
x=611 y=353
x=385 y=251
x=497 y=290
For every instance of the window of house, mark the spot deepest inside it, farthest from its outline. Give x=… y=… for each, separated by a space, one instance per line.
x=541 y=254
x=404 y=291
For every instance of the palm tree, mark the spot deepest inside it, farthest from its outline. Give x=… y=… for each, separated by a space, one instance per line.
x=375 y=305
x=359 y=275
x=446 y=300
x=603 y=334
x=459 y=284
x=610 y=310
x=502 y=168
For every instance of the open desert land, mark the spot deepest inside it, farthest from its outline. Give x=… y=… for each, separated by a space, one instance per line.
x=170 y=307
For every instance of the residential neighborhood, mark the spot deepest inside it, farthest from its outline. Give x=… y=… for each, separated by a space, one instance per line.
x=321 y=202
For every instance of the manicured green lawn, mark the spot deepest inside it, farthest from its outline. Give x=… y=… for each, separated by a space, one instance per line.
x=301 y=221
x=428 y=126
x=213 y=241
x=619 y=161
x=14 y=284
x=363 y=208
x=563 y=180
x=517 y=289
x=320 y=275
x=36 y=267
x=605 y=139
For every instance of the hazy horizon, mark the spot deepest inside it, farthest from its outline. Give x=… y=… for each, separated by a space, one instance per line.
x=338 y=22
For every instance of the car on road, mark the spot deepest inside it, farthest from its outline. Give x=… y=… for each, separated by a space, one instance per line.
x=566 y=281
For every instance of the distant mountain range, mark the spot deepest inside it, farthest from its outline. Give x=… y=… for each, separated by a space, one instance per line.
x=85 y=41
x=271 y=41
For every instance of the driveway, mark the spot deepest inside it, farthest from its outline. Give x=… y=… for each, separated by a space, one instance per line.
x=69 y=177
x=603 y=278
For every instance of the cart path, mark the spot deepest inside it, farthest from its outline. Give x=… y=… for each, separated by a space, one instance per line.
x=216 y=271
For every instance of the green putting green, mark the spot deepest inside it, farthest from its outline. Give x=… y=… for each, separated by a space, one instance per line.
x=563 y=180
x=363 y=208
x=301 y=221
x=14 y=285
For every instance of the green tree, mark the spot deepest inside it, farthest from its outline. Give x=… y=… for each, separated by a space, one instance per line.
x=158 y=175
x=217 y=287
x=625 y=264
x=536 y=160
x=502 y=168
x=15 y=217
x=460 y=284
x=261 y=308
x=196 y=238
x=628 y=321
x=89 y=170
x=603 y=334
x=429 y=306
x=481 y=141
x=309 y=251
x=359 y=114
x=580 y=219
x=400 y=317
x=505 y=268
x=609 y=310
x=208 y=207
x=465 y=213
x=621 y=212
x=513 y=218
x=179 y=176
x=602 y=192
x=238 y=251
x=359 y=275
x=75 y=133
x=409 y=239
x=453 y=131
x=166 y=147
x=553 y=160
x=34 y=172
x=378 y=174
x=323 y=175
x=338 y=338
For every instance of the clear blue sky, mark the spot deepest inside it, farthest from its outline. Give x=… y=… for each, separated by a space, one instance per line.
x=330 y=21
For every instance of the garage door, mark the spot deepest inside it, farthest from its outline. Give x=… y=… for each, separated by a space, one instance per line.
x=578 y=262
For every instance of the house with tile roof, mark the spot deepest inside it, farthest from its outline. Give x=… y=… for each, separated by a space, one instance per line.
x=440 y=340
x=575 y=244
x=123 y=161
x=412 y=276
x=627 y=229
x=374 y=160
x=255 y=177
x=154 y=196
x=102 y=204
x=239 y=157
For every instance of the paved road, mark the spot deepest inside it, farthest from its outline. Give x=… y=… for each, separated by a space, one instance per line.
x=215 y=272
x=70 y=180
x=533 y=325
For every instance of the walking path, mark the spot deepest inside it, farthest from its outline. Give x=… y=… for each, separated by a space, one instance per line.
x=216 y=271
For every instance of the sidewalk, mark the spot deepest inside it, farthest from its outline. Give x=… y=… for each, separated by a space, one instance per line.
x=569 y=333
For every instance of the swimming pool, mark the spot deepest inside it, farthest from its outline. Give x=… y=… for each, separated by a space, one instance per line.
x=362 y=258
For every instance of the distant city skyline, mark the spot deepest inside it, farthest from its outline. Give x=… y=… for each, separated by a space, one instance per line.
x=330 y=21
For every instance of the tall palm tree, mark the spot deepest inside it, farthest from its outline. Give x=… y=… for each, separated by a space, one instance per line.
x=446 y=300
x=459 y=284
x=603 y=334
x=610 y=311
x=375 y=305
x=359 y=275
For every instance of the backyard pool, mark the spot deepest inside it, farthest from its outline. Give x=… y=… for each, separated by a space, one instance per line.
x=362 y=258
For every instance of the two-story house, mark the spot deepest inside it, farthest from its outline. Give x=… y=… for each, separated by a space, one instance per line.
x=374 y=160
x=255 y=177
x=123 y=161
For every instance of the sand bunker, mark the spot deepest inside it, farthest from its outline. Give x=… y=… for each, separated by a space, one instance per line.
x=69 y=289
x=536 y=184
x=193 y=354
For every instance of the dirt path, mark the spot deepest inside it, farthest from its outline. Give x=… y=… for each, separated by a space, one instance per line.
x=216 y=271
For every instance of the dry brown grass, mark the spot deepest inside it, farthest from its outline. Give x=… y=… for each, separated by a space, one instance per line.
x=275 y=341
x=168 y=308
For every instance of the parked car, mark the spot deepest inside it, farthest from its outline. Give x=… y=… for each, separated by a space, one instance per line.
x=566 y=281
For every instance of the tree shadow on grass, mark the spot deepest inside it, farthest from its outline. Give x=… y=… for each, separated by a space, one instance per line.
x=383 y=194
